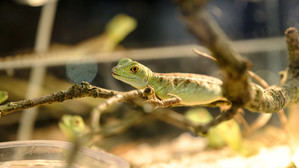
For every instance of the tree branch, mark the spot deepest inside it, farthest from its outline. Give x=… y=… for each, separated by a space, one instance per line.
x=76 y=91
x=236 y=85
x=232 y=65
x=96 y=112
x=276 y=98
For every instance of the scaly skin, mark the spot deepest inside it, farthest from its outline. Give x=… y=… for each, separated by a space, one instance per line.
x=192 y=89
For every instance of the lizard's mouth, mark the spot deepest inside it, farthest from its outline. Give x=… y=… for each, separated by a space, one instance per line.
x=115 y=74
x=119 y=76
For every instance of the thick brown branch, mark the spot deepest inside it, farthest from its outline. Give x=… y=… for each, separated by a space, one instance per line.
x=268 y=100
x=276 y=98
x=293 y=47
x=234 y=67
x=237 y=87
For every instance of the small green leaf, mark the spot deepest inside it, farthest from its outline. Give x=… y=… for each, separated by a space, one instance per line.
x=3 y=96
x=227 y=132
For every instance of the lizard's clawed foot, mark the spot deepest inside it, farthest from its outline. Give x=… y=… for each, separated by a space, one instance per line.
x=166 y=102
x=149 y=93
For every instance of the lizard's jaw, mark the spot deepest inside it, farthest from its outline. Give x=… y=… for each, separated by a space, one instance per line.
x=129 y=80
x=121 y=77
x=114 y=74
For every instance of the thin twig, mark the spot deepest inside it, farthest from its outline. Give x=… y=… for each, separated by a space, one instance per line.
x=224 y=116
x=255 y=76
x=96 y=113
x=196 y=51
x=180 y=121
x=76 y=91
x=240 y=119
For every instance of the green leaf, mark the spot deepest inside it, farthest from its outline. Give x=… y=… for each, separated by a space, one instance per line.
x=3 y=96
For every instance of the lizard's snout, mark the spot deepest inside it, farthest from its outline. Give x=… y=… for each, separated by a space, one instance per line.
x=114 y=69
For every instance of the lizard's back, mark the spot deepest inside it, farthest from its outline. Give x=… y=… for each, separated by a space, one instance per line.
x=193 y=89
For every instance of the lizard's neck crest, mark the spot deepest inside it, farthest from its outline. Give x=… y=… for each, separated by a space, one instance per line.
x=153 y=78
x=148 y=76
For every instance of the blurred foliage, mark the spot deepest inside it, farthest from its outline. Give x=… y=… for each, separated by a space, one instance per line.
x=226 y=133
x=3 y=96
x=72 y=126
x=118 y=28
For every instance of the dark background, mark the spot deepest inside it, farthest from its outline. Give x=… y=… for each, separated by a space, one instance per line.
x=158 y=21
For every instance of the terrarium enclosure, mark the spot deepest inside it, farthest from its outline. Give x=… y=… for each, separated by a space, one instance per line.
x=58 y=58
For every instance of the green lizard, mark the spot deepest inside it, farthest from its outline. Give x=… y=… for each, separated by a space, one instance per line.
x=190 y=89
x=72 y=126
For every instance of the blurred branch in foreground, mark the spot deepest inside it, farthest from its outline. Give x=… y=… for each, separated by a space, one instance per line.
x=56 y=57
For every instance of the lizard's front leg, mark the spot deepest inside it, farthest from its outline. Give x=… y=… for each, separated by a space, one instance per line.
x=149 y=92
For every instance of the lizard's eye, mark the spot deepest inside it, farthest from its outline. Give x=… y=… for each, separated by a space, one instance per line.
x=77 y=122
x=134 y=69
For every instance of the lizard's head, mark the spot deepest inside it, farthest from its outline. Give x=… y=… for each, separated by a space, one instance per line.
x=132 y=73
x=72 y=126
